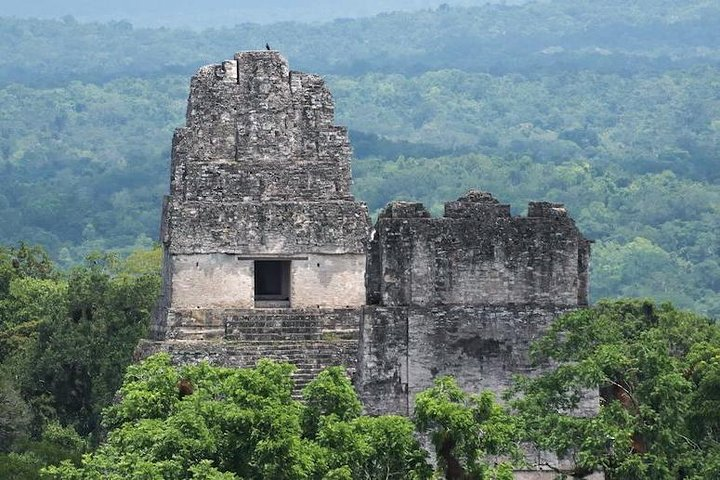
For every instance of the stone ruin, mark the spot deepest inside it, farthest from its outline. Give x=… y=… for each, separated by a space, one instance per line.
x=268 y=254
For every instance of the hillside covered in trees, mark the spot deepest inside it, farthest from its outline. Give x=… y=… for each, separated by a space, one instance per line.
x=611 y=108
x=214 y=13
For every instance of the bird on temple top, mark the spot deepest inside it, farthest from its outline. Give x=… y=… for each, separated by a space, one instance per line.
x=267 y=46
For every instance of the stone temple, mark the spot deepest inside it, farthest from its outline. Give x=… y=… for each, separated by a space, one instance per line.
x=268 y=254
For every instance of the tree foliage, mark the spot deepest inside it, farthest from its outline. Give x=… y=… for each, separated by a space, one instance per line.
x=466 y=430
x=244 y=423
x=65 y=338
x=656 y=369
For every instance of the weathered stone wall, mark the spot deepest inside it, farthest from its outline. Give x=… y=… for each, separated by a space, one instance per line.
x=260 y=167
x=256 y=114
x=382 y=374
x=211 y=281
x=482 y=347
x=310 y=339
x=402 y=349
x=463 y=295
x=227 y=281
x=267 y=227
x=267 y=324
x=477 y=254
x=328 y=281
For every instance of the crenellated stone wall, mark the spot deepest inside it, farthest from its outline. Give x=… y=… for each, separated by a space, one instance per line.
x=477 y=254
x=463 y=295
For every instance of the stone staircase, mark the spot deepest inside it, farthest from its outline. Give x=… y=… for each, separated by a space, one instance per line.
x=312 y=340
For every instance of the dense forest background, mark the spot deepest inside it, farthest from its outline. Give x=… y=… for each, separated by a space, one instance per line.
x=610 y=107
x=214 y=13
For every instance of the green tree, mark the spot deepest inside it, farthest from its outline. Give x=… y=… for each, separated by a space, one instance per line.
x=56 y=443
x=466 y=430
x=201 y=421
x=359 y=447
x=329 y=394
x=373 y=448
x=14 y=416
x=75 y=366
x=656 y=368
x=65 y=338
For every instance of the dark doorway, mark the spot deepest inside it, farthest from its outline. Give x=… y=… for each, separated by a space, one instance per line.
x=272 y=283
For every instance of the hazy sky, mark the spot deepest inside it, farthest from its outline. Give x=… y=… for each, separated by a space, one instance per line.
x=205 y=13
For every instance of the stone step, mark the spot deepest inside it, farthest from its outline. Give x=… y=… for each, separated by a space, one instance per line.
x=288 y=331
x=280 y=344
x=252 y=334
x=301 y=328
x=317 y=325
x=288 y=353
x=190 y=327
x=300 y=318
x=310 y=357
x=308 y=367
x=305 y=355
x=302 y=379
x=291 y=336
x=288 y=345
x=306 y=376
x=263 y=315
x=196 y=333
x=238 y=324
